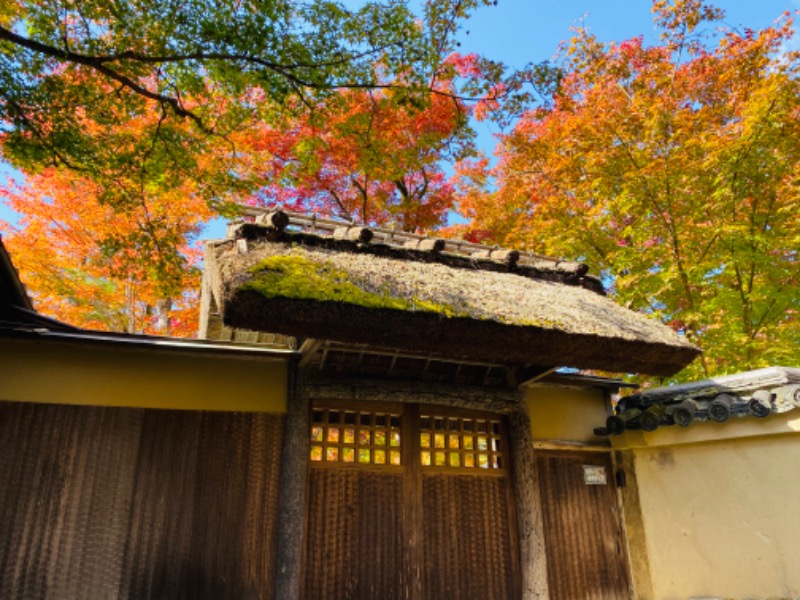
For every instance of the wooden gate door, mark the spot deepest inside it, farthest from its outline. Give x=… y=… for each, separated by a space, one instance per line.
x=586 y=555
x=409 y=502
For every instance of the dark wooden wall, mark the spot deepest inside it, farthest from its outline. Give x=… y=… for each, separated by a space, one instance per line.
x=136 y=504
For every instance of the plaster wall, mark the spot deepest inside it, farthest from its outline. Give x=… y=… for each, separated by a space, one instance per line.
x=566 y=414
x=720 y=517
x=73 y=373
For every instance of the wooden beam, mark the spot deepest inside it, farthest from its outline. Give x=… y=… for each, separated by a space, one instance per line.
x=427 y=366
x=486 y=377
x=324 y=359
x=292 y=498
x=343 y=347
x=634 y=526
x=308 y=348
x=458 y=372
x=356 y=389
x=531 y=375
x=412 y=503
x=572 y=445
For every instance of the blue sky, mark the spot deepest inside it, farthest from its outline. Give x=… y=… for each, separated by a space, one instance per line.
x=517 y=32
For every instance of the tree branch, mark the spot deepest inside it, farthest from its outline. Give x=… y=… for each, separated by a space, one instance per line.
x=19 y=113
x=99 y=63
x=92 y=63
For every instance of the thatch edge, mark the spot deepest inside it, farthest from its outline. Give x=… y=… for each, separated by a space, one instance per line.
x=453 y=337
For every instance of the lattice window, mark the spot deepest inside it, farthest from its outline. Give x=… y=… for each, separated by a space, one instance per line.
x=347 y=437
x=462 y=442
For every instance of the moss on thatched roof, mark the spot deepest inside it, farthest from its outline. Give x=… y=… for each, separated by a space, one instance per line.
x=434 y=308
x=431 y=250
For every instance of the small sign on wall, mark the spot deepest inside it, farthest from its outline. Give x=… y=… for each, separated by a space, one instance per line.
x=594 y=475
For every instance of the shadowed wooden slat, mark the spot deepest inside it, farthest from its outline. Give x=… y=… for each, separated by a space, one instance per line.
x=586 y=554
x=354 y=535
x=129 y=503
x=467 y=549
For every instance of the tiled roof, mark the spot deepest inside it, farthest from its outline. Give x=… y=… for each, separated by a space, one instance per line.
x=759 y=394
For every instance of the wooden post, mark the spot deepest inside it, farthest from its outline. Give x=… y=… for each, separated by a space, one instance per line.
x=533 y=557
x=292 y=498
x=634 y=527
x=412 y=503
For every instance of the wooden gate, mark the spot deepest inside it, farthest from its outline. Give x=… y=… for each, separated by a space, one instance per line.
x=409 y=502
x=586 y=555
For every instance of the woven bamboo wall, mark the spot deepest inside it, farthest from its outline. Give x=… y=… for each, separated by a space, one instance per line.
x=467 y=546
x=354 y=542
x=130 y=503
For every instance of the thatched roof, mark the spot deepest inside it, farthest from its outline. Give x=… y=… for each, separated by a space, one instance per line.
x=433 y=303
x=12 y=292
x=16 y=307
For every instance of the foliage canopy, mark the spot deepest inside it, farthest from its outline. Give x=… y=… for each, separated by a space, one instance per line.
x=374 y=161
x=70 y=71
x=674 y=168
x=90 y=265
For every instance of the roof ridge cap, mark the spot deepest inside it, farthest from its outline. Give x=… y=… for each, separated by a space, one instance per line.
x=312 y=223
x=565 y=273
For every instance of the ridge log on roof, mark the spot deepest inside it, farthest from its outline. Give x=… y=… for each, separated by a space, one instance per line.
x=312 y=286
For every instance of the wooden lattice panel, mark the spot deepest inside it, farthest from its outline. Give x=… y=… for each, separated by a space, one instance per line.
x=355 y=438
x=456 y=442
